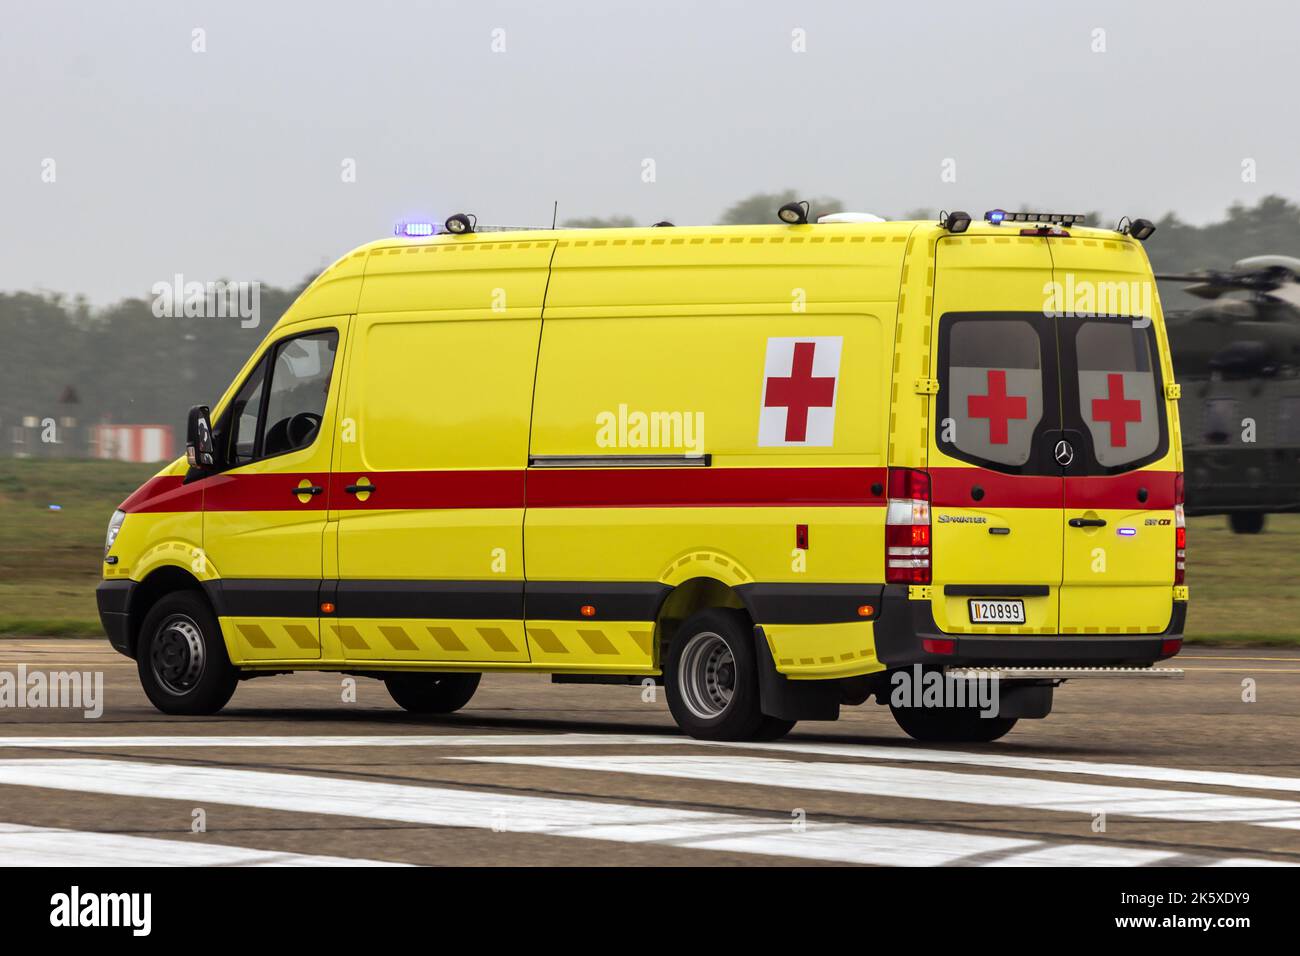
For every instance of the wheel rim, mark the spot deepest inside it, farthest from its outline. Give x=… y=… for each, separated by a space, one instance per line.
x=708 y=675
x=177 y=656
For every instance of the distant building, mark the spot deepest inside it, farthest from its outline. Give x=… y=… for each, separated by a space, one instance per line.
x=143 y=443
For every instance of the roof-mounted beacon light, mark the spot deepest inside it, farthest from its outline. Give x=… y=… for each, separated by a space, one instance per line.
x=661 y=223
x=995 y=216
x=955 y=222
x=794 y=213
x=460 y=224
x=415 y=229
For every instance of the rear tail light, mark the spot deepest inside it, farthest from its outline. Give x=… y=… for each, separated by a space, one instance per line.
x=1180 y=533
x=907 y=527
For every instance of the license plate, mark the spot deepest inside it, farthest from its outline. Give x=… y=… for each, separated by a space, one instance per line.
x=997 y=612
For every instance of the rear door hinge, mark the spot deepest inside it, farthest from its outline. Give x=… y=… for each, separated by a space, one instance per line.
x=1173 y=391
x=919 y=592
x=926 y=386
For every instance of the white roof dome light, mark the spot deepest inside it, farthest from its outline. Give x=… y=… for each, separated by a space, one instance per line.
x=850 y=217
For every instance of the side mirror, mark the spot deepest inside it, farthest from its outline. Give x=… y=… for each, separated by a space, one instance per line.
x=199 y=450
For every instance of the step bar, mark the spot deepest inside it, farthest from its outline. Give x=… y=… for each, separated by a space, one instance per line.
x=1064 y=673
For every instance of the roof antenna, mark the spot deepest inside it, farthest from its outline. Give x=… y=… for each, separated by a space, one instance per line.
x=555 y=211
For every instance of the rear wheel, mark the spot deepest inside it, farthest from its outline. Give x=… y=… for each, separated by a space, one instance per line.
x=432 y=693
x=181 y=657
x=1246 y=522
x=711 y=679
x=950 y=724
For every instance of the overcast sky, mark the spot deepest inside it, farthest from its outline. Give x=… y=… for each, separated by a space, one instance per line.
x=229 y=163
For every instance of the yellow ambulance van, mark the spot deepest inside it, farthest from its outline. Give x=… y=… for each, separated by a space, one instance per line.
x=777 y=469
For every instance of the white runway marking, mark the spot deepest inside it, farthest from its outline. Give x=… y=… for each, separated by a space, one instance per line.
x=1126 y=771
x=46 y=846
x=574 y=819
x=902 y=754
x=915 y=784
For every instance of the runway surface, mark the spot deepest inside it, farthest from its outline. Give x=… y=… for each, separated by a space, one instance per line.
x=1123 y=773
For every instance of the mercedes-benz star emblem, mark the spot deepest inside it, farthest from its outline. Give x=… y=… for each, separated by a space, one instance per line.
x=1064 y=453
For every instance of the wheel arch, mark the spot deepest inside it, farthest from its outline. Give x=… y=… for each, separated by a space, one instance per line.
x=692 y=595
x=159 y=583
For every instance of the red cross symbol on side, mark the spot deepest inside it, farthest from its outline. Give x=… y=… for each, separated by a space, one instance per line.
x=799 y=383
x=997 y=406
x=1116 y=410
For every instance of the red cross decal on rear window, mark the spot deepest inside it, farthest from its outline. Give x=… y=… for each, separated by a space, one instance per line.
x=997 y=406
x=1116 y=410
x=800 y=392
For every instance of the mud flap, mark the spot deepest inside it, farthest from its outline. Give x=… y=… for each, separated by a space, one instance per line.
x=786 y=699
x=1025 y=701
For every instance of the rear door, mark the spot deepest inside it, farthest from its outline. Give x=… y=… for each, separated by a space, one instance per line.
x=1119 y=488
x=1119 y=525
x=996 y=488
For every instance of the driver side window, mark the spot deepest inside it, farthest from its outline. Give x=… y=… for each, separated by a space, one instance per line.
x=283 y=414
x=300 y=383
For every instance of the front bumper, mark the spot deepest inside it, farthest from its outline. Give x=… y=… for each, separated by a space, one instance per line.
x=114 y=599
x=904 y=625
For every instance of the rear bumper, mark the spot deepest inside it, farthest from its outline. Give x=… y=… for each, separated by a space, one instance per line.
x=904 y=625
x=114 y=598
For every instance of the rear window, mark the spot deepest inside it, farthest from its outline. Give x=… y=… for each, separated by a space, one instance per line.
x=1117 y=391
x=994 y=389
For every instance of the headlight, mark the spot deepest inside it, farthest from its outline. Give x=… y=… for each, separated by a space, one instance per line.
x=114 y=526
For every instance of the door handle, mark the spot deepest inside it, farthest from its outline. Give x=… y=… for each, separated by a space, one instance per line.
x=1087 y=522
x=360 y=489
x=312 y=490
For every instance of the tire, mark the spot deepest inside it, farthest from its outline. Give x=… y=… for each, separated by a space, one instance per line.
x=432 y=693
x=951 y=724
x=1246 y=522
x=711 y=679
x=181 y=657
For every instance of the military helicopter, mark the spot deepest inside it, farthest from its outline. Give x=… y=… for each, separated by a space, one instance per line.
x=1238 y=360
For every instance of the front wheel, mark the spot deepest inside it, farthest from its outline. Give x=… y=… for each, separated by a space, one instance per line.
x=711 y=679
x=951 y=724
x=181 y=657
x=432 y=693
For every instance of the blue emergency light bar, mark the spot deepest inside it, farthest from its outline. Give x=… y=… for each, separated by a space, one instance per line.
x=415 y=229
x=998 y=216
